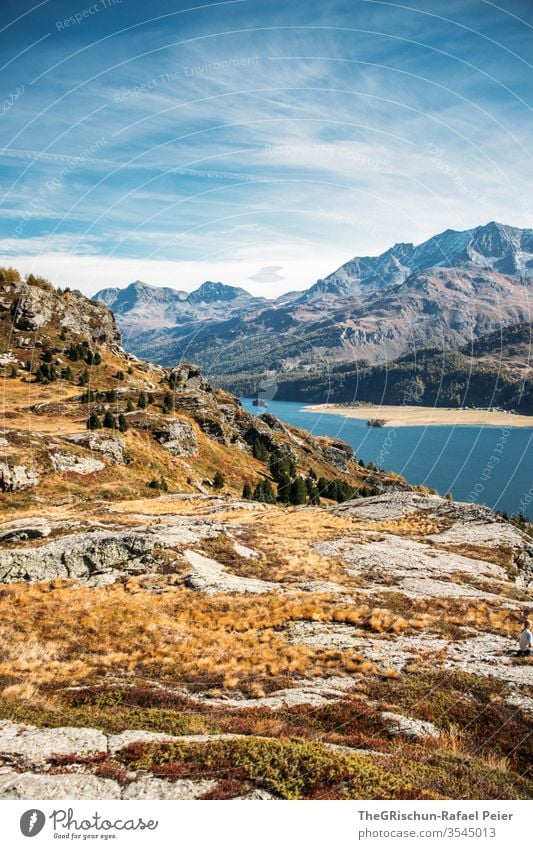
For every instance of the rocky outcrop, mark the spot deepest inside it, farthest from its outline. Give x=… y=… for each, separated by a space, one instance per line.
x=179 y=438
x=38 y=304
x=37 y=745
x=15 y=478
x=406 y=726
x=20 y=530
x=112 y=447
x=27 y=785
x=462 y=526
x=101 y=557
x=211 y=577
x=76 y=464
x=339 y=454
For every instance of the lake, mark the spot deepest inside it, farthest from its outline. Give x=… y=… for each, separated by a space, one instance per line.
x=446 y=458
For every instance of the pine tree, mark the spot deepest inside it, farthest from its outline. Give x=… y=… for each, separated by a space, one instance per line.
x=83 y=379
x=281 y=463
x=284 y=488
x=109 y=420
x=268 y=493
x=42 y=375
x=142 y=401
x=312 y=473
x=332 y=490
x=119 y=375
x=247 y=492
x=259 y=451
x=298 y=494
x=168 y=402
x=93 y=422
x=66 y=373
x=312 y=491
x=218 y=480
x=122 y=423
x=323 y=484
x=264 y=492
x=129 y=406
x=344 y=491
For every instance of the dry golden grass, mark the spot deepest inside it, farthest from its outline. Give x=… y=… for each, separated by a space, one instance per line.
x=60 y=634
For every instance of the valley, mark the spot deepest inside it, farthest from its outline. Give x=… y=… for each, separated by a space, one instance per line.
x=197 y=602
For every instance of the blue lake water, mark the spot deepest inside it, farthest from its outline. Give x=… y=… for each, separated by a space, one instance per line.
x=446 y=458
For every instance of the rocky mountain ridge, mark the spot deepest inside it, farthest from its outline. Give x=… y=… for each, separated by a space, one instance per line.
x=447 y=291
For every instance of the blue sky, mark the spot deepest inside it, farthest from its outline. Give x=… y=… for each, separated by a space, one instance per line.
x=261 y=144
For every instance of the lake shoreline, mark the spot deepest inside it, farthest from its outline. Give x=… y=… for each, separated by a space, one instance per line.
x=404 y=416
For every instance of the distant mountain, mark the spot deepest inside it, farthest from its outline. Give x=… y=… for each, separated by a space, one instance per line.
x=449 y=290
x=141 y=308
x=492 y=247
x=211 y=293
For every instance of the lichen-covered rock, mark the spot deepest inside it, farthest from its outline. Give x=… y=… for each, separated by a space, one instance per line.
x=126 y=738
x=149 y=787
x=406 y=726
x=37 y=745
x=100 y=557
x=112 y=447
x=76 y=463
x=20 y=530
x=27 y=785
x=211 y=577
x=179 y=438
x=14 y=478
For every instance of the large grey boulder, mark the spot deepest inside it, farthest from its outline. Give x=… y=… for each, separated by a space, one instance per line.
x=76 y=463
x=15 y=478
x=20 y=530
x=179 y=438
x=37 y=745
x=112 y=447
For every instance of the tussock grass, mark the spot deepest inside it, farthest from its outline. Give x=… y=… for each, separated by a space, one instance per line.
x=54 y=634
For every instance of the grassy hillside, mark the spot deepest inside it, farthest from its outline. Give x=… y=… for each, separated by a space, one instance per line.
x=67 y=383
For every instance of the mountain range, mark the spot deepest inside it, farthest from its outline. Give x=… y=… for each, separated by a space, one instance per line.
x=446 y=292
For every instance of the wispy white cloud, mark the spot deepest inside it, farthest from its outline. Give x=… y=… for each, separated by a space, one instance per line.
x=264 y=136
